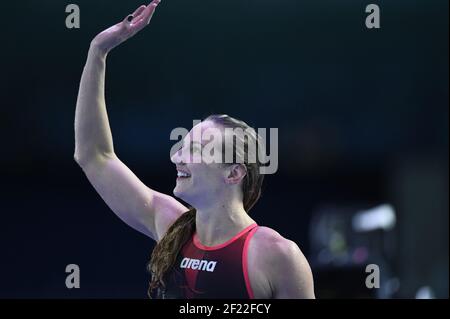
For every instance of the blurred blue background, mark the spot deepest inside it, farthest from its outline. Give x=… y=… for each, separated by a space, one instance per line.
x=362 y=117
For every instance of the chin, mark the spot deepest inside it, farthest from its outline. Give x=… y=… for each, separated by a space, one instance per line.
x=177 y=193
x=185 y=195
x=182 y=194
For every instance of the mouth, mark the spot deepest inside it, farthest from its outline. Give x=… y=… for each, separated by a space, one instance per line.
x=183 y=175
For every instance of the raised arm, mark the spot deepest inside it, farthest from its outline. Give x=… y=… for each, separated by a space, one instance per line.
x=144 y=209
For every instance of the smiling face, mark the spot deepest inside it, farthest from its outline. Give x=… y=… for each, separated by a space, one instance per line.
x=199 y=180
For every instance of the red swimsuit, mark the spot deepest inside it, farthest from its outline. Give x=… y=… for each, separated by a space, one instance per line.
x=214 y=272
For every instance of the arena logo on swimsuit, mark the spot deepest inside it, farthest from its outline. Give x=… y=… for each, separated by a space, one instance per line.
x=198 y=264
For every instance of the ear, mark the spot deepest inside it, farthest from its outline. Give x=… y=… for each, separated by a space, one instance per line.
x=236 y=173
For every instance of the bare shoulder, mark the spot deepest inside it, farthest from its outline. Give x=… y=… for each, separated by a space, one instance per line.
x=284 y=264
x=273 y=244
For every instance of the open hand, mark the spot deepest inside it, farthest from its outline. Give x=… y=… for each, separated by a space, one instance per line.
x=122 y=31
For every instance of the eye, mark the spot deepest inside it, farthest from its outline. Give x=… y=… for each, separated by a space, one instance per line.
x=194 y=148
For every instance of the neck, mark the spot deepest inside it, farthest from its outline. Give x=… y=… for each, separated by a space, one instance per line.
x=218 y=222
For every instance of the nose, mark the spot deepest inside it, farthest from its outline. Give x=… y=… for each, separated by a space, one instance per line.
x=175 y=158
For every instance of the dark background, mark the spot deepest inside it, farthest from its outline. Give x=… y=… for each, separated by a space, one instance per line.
x=362 y=117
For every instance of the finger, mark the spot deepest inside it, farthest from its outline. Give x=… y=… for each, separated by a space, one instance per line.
x=137 y=13
x=127 y=20
x=146 y=15
x=144 y=19
x=134 y=16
